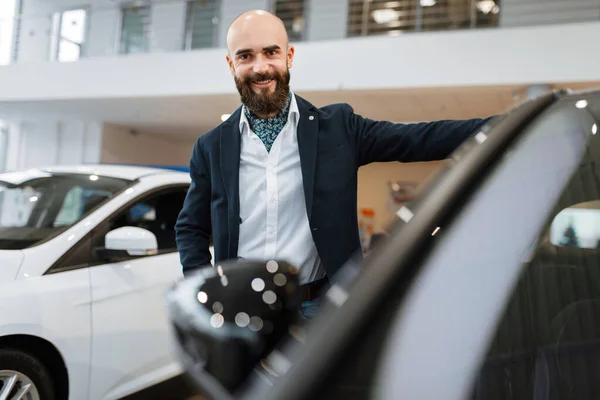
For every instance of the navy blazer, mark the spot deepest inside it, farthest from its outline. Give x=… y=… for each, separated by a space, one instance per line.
x=333 y=143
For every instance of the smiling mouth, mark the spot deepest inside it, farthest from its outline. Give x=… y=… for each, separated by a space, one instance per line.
x=262 y=83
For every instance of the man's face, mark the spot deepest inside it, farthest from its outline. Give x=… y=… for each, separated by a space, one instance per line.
x=259 y=59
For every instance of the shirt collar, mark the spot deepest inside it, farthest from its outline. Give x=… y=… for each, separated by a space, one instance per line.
x=293 y=116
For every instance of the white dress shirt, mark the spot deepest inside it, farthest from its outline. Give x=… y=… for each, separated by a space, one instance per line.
x=274 y=223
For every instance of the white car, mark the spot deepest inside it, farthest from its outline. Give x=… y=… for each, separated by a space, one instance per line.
x=86 y=254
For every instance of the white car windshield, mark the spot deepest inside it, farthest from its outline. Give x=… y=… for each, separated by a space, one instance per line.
x=36 y=209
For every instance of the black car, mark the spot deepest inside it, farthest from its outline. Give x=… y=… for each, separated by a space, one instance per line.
x=487 y=286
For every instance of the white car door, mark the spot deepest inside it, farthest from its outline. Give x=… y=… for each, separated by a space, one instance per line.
x=131 y=346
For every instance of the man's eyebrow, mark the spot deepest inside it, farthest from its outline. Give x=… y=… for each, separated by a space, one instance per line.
x=268 y=48
x=272 y=47
x=241 y=51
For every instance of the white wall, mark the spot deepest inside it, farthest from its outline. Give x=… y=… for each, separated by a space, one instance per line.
x=529 y=55
x=34 y=40
x=120 y=146
x=168 y=25
x=3 y=145
x=231 y=9
x=540 y=12
x=51 y=142
x=326 y=20
x=103 y=30
x=167 y=30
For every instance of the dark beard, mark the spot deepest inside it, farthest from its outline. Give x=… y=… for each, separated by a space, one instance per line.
x=264 y=103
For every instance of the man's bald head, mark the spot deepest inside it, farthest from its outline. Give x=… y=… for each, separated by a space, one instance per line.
x=259 y=57
x=256 y=19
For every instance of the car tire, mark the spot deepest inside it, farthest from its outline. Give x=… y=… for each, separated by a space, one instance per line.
x=32 y=368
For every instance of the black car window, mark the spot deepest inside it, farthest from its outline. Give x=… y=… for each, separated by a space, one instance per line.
x=156 y=212
x=547 y=344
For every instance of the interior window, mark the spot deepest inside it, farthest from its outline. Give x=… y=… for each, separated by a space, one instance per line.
x=547 y=345
x=135 y=31
x=202 y=17
x=69 y=31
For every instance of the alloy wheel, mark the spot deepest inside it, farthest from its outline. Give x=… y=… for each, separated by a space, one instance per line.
x=15 y=385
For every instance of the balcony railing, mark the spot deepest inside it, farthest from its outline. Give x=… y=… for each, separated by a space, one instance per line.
x=179 y=25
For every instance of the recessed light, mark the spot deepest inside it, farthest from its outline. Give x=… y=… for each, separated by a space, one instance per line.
x=224 y=117
x=581 y=104
x=385 y=15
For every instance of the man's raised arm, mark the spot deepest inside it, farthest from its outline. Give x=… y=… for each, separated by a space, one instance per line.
x=380 y=141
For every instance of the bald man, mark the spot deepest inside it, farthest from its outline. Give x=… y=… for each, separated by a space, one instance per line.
x=278 y=179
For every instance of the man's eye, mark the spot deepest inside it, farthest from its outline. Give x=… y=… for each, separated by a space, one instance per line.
x=271 y=52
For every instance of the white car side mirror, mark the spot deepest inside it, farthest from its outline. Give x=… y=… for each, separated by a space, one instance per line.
x=135 y=241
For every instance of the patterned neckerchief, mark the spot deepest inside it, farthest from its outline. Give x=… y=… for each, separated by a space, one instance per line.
x=268 y=129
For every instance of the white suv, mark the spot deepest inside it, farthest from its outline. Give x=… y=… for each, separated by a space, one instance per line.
x=86 y=254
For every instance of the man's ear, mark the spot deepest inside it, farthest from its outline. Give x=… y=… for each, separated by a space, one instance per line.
x=230 y=63
x=290 y=56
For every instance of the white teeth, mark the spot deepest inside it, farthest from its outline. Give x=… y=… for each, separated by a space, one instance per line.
x=262 y=82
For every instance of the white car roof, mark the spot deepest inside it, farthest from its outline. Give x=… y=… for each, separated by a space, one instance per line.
x=113 y=171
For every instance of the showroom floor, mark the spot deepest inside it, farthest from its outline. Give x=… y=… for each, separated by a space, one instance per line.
x=174 y=389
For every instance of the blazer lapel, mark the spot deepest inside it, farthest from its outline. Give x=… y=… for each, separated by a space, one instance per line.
x=308 y=135
x=230 y=171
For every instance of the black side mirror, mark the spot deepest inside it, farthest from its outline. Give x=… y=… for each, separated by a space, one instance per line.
x=226 y=318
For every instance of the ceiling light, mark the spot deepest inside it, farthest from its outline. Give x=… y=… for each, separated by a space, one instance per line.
x=594 y=129
x=581 y=104
x=224 y=117
x=428 y=3
x=385 y=15
x=486 y=6
x=93 y=177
